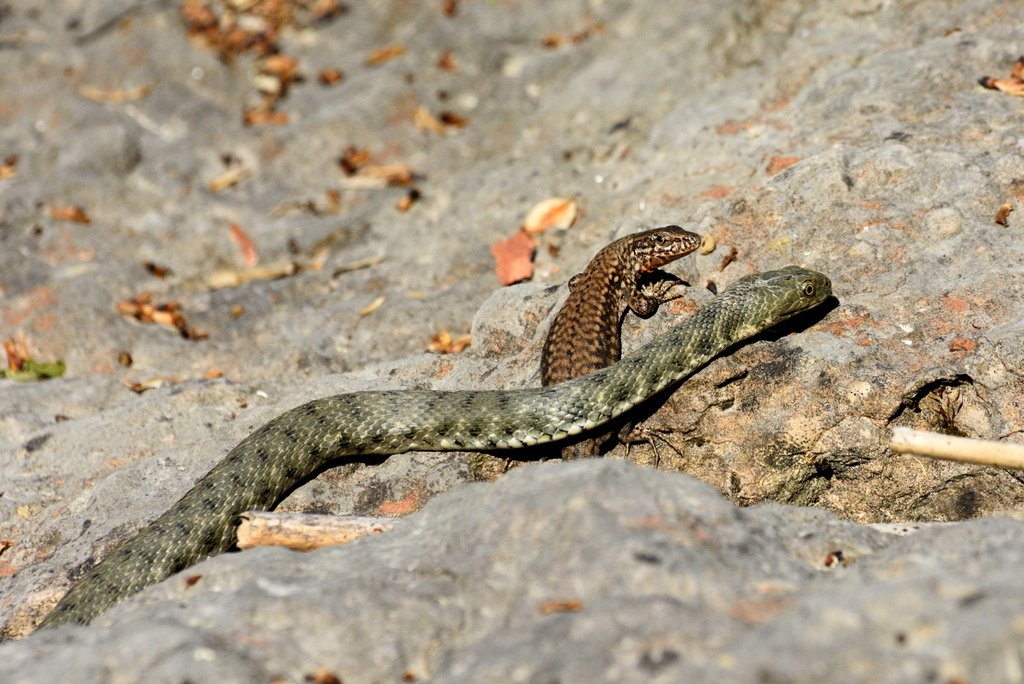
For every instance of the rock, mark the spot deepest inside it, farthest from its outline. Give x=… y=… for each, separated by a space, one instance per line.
x=592 y=571
x=851 y=140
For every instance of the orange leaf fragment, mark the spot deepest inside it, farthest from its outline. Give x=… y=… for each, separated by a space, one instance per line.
x=384 y=54
x=447 y=61
x=554 y=212
x=444 y=343
x=424 y=121
x=71 y=212
x=245 y=244
x=513 y=258
x=329 y=77
x=560 y=606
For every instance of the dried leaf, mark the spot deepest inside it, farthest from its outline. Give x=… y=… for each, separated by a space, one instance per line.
x=447 y=61
x=453 y=119
x=372 y=306
x=259 y=116
x=444 y=343
x=353 y=158
x=384 y=54
x=1013 y=86
x=554 y=212
x=119 y=95
x=245 y=243
x=407 y=200
x=1003 y=214
x=229 y=178
x=71 y=212
x=424 y=121
x=9 y=167
x=560 y=606
x=233 y=278
x=728 y=258
x=514 y=258
x=329 y=77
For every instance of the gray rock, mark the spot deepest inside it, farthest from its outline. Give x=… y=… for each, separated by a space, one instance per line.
x=590 y=571
x=850 y=138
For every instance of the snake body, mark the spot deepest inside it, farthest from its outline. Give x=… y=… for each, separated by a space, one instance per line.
x=285 y=452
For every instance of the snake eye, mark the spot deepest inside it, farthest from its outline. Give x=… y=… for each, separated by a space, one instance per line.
x=807 y=288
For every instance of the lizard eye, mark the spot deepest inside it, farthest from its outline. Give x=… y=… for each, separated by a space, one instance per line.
x=807 y=288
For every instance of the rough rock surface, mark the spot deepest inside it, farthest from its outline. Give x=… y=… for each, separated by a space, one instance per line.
x=848 y=137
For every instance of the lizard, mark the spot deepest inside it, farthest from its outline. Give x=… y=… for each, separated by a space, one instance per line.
x=586 y=333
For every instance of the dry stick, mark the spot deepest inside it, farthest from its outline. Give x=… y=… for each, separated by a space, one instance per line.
x=934 y=445
x=301 y=532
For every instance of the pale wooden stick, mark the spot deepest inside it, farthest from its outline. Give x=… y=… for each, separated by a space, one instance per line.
x=302 y=532
x=934 y=445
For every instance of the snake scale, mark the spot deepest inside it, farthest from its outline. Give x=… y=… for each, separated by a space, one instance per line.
x=278 y=456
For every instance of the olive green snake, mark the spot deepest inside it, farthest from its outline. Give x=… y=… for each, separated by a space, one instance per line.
x=285 y=452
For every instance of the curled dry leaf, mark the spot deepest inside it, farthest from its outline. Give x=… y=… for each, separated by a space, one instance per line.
x=168 y=314
x=554 y=212
x=384 y=54
x=353 y=159
x=372 y=306
x=513 y=258
x=1014 y=85
x=258 y=116
x=407 y=200
x=229 y=178
x=152 y=383
x=1003 y=214
x=70 y=212
x=560 y=606
x=118 y=95
x=444 y=343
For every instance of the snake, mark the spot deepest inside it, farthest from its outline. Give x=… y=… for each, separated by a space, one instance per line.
x=285 y=452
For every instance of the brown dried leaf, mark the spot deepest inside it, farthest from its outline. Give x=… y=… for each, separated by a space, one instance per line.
x=453 y=119
x=329 y=77
x=513 y=258
x=1018 y=69
x=1003 y=214
x=258 y=116
x=728 y=258
x=408 y=199
x=17 y=352
x=9 y=167
x=354 y=158
x=245 y=243
x=444 y=343
x=1013 y=86
x=156 y=270
x=70 y=212
x=560 y=606
x=384 y=54
x=554 y=212
x=449 y=7
x=447 y=61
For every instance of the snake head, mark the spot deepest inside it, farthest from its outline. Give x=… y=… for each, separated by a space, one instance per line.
x=769 y=298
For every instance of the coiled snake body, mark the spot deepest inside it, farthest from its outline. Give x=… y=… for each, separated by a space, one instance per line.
x=271 y=461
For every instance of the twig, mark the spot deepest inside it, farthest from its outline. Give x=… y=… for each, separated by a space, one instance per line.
x=962 y=449
x=303 y=532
